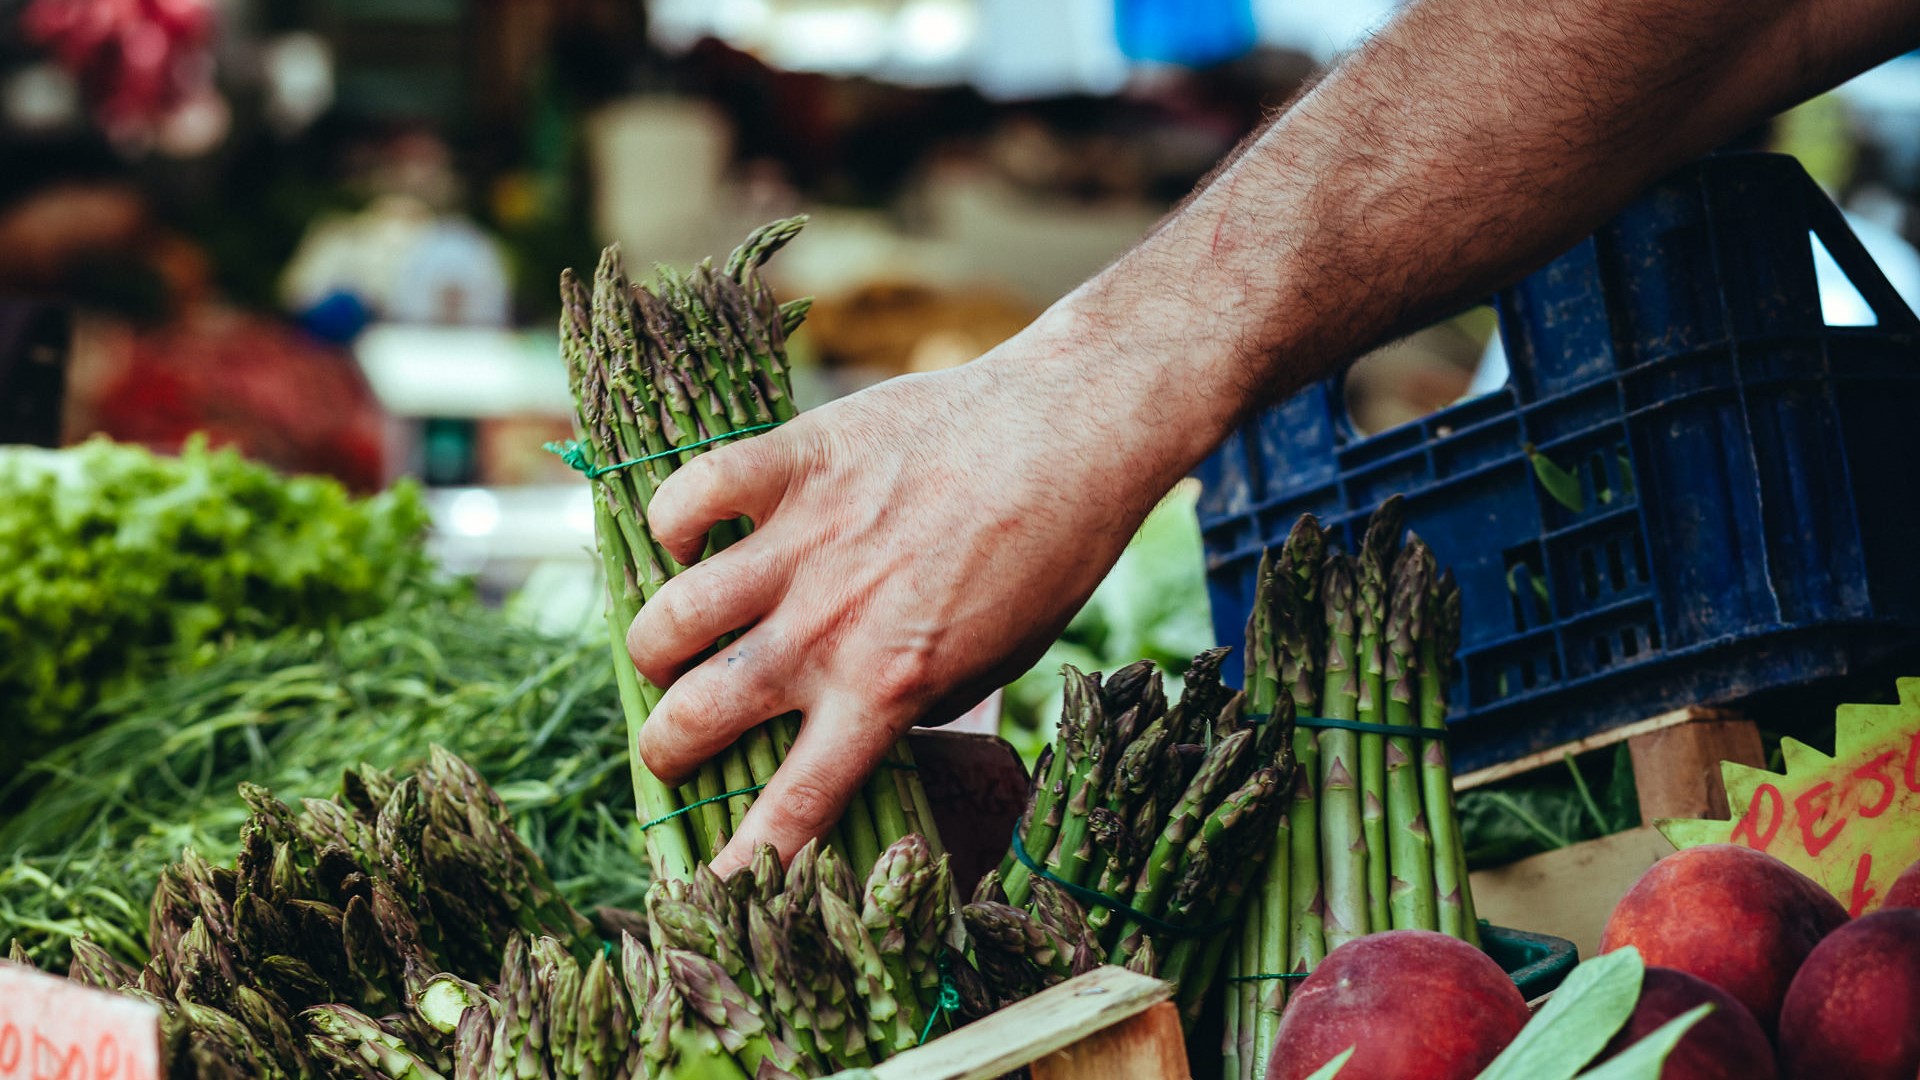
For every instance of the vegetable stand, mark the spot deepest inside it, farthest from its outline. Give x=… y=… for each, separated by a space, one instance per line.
x=1260 y=875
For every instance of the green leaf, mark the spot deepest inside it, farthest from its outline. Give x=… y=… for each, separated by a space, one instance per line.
x=1645 y=1059
x=1332 y=1068
x=1504 y=801
x=1578 y=1020
x=1542 y=596
x=1586 y=794
x=1561 y=484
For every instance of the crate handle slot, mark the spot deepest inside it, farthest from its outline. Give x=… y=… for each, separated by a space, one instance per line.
x=1825 y=221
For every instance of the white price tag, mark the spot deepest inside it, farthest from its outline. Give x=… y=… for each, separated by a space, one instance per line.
x=55 y=1029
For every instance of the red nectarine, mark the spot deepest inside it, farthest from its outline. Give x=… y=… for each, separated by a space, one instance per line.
x=1905 y=890
x=1739 y=919
x=1727 y=1043
x=1854 y=1009
x=1416 y=1005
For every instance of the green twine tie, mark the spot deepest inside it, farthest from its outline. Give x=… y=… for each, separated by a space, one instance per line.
x=575 y=454
x=698 y=803
x=949 y=999
x=1094 y=896
x=1408 y=730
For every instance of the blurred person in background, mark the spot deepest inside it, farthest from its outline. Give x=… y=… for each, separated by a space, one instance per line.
x=920 y=542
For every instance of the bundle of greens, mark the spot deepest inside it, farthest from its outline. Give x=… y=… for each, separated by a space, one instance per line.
x=762 y=975
x=537 y=714
x=1137 y=838
x=331 y=915
x=117 y=564
x=1369 y=840
x=659 y=375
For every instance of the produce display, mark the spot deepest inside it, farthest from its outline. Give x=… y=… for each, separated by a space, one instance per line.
x=403 y=929
x=1152 y=811
x=660 y=374
x=537 y=714
x=331 y=914
x=335 y=818
x=1417 y=1005
x=117 y=565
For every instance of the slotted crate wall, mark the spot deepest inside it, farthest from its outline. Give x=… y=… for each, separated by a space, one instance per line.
x=1750 y=510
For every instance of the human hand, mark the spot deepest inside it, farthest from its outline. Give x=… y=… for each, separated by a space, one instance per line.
x=915 y=546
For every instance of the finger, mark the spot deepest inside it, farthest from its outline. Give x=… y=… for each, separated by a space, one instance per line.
x=709 y=708
x=742 y=479
x=837 y=749
x=700 y=605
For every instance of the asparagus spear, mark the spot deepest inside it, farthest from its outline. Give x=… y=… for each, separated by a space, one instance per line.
x=1050 y=798
x=1433 y=714
x=1344 y=854
x=1412 y=899
x=1289 y=934
x=1373 y=569
x=1263 y=692
x=1272 y=953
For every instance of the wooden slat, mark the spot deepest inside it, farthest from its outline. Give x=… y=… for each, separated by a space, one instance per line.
x=1677 y=769
x=1553 y=755
x=1029 y=1030
x=1570 y=892
x=1150 y=1046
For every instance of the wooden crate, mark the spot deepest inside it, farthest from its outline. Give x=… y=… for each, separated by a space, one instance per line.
x=1109 y=1024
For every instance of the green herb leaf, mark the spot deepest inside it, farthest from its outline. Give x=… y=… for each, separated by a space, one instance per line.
x=1645 y=1059
x=1583 y=1014
x=1561 y=484
x=1332 y=1068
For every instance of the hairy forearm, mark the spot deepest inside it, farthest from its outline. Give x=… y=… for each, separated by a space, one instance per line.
x=1464 y=144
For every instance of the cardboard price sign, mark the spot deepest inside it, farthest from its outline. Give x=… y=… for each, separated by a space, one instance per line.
x=54 y=1029
x=1850 y=822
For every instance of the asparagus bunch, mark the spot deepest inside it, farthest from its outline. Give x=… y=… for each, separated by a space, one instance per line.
x=660 y=374
x=1157 y=812
x=305 y=957
x=264 y=970
x=762 y=975
x=1368 y=638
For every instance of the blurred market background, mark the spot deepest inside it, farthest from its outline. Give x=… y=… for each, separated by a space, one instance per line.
x=327 y=232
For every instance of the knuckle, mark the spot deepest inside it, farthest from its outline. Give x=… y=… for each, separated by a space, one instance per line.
x=904 y=675
x=807 y=804
x=694 y=709
x=683 y=723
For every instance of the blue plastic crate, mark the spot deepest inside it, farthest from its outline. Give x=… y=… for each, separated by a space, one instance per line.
x=1751 y=513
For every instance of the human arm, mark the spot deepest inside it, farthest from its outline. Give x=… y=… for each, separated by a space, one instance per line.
x=919 y=543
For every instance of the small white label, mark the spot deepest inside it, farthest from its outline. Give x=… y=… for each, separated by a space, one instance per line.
x=55 y=1029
